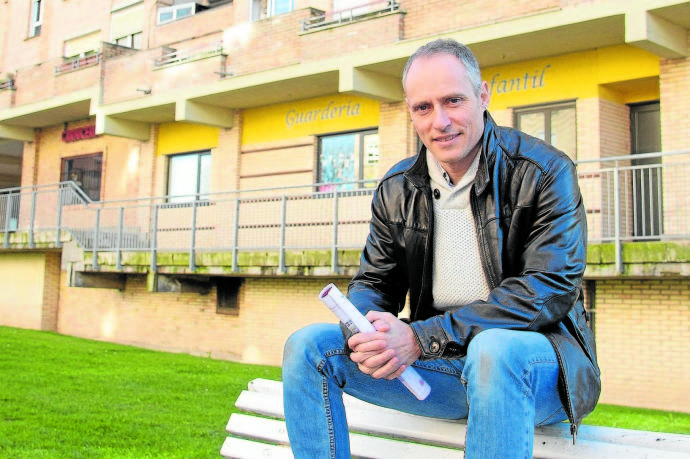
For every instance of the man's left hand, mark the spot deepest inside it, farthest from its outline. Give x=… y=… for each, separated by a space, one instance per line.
x=386 y=352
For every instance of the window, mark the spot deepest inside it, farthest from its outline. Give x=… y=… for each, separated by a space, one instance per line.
x=260 y=9
x=130 y=41
x=227 y=295
x=36 y=18
x=257 y=10
x=189 y=176
x=172 y=13
x=555 y=124
x=281 y=6
x=347 y=158
x=86 y=172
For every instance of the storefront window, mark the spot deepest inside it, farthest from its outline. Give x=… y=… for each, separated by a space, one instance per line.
x=85 y=172
x=349 y=157
x=189 y=176
x=555 y=124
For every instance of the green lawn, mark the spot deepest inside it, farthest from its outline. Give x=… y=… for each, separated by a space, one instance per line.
x=65 y=397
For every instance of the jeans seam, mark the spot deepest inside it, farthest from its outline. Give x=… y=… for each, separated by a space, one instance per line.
x=327 y=408
x=524 y=380
x=327 y=399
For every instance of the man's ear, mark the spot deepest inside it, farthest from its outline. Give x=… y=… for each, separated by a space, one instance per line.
x=484 y=94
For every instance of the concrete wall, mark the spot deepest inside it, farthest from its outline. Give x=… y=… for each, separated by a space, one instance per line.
x=28 y=282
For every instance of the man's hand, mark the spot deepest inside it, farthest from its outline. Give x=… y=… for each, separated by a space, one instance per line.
x=386 y=352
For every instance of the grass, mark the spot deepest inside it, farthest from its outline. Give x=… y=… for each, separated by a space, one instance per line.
x=65 y=397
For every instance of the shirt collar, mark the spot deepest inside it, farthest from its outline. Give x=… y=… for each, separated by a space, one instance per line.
x=438 y=173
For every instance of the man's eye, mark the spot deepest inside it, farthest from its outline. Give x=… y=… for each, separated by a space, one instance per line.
x=455 y=100
x=421 y=108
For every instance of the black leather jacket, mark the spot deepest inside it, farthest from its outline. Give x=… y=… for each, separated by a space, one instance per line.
x=531 y=229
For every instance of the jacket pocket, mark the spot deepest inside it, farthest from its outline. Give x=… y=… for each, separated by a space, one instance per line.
x=577 y=325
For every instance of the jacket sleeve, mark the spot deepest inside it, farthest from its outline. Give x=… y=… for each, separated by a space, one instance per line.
x=546 y=242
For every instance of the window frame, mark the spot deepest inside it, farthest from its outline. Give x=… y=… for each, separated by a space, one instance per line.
x=273 y=3
x=547 y=109
x=64 y=173
x=184 y=199
x=359 y=172
x=130 y=40
x=36 y=18
x=175 y=11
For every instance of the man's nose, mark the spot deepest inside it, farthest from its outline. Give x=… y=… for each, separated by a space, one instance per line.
x=441 y=119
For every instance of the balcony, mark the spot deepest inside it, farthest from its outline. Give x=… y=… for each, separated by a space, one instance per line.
x=76 y=63
x=174 y=56
x=358 y=13
x=636 y=210
x=7 y=84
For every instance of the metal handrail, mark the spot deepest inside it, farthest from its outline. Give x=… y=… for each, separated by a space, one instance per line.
x=191 y=54
x=350 y=14
x=78 y=63
x=628 y=198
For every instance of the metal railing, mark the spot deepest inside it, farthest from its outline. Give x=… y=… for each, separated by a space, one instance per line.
x=188 y=55
x=7 y=84
x=77 y=63
x=350 y=15
x=628 y=198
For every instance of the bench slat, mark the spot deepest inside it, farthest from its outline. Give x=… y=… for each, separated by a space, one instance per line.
x=274 y=431
x=379 y=421
x=238 y=448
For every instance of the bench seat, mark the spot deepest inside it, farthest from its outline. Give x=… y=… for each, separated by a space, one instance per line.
x=377 y=432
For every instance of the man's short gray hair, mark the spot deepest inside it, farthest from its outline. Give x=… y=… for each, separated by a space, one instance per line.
x=453 y=48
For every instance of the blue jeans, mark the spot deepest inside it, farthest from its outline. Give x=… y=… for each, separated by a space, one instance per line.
x=505 y=386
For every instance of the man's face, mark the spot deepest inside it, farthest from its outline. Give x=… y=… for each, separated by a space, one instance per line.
x=446 y=110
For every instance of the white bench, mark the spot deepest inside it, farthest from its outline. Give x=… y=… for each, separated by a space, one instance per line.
x=377 y=432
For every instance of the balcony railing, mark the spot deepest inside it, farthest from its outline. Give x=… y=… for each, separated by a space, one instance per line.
x=78 y=63
x=356 y=13
x=188 y=55
x=628 y=198
x=7 y=84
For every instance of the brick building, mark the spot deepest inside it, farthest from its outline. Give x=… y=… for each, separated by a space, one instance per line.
x=187 y=176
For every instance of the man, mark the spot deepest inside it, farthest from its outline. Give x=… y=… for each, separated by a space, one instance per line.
x=485 y=229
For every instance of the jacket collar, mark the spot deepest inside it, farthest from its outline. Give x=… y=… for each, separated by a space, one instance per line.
x=418 y=173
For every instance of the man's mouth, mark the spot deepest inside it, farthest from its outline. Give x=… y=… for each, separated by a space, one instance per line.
x=446 y=138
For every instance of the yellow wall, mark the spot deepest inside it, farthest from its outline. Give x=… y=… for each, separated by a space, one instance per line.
x=336 y=113
x=184 y=137
x=624 y=74
x=21 y=284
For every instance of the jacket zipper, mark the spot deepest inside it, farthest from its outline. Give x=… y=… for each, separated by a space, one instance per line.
x=486 y=257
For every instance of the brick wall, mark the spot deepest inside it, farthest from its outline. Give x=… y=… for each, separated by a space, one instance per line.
x=397 y=137
x=673 y=82
x=270 y=310
x=642 y=341
x=51 y=291
x=437 y=16
x=352 y=37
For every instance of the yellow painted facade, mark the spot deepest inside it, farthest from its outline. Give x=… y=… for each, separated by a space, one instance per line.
x=184 y=137
x=596 y=73
x=322 y=115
